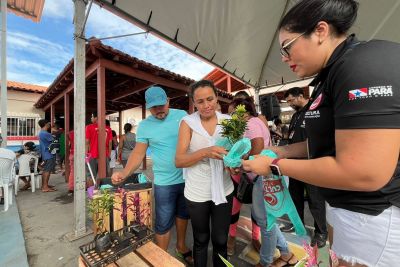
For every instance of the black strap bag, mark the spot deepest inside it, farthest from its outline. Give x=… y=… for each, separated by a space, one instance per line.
x=244 y=192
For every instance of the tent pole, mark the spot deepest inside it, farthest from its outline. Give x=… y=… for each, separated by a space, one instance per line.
x=257 y=98
x=3 y=72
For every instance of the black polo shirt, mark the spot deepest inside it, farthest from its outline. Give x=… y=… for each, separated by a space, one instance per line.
x=358 y=89
x=297 y=127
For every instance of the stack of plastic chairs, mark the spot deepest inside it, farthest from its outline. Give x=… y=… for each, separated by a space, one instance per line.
x=7 y=174
x=25 y=170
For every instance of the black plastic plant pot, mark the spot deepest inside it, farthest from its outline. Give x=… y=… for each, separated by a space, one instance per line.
x=103 y=242
x=140 y=231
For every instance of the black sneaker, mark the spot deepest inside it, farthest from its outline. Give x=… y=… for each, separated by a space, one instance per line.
x=319 y=240
x=287 y=228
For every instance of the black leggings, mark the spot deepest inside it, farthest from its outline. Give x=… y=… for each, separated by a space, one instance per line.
x=200 y=214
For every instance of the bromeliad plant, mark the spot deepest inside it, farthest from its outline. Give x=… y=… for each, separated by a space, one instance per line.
x=234 y=128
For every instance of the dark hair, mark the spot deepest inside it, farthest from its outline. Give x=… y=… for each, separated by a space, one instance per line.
x=94 y=114
x=114 y=134
x=30 y=145
x=247 y=103
x=305 y=15
x=294 y=91
x=241 y=94
x=127 y=127
x=43 y=122
x=202 y=83
x=277 y=121
x=57 y=125
x=107 y=122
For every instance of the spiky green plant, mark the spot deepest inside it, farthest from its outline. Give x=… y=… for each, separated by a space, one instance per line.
x=234 y=128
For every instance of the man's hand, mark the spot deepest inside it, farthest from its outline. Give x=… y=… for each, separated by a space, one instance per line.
x=117 y=178
x=215 y=152
x=259 y=165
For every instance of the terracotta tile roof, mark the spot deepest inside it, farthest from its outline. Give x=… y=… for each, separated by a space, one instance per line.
x=132 y=60
x=30 y=9
x=26 y=87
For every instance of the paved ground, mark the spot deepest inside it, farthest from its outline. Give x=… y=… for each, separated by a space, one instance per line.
x=47 y=217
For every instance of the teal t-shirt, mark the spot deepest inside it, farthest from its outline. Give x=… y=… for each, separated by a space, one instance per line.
x=162 y=137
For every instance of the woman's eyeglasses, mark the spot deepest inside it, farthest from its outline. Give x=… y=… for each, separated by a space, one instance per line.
x=286 y=47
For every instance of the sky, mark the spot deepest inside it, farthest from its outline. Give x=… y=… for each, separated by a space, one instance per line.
x=37 y=52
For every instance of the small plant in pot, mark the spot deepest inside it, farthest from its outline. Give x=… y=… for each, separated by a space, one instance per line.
x=100 y=207
x=233 y=129
x=141 y=215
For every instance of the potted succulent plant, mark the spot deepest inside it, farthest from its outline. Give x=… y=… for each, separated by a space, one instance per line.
x=100 y=207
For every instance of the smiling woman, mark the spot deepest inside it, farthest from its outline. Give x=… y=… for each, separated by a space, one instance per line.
x=354 y=104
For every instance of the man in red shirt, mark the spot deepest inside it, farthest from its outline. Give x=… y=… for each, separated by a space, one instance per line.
x=92 y=144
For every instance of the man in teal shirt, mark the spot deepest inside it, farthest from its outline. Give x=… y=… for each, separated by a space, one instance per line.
x=159 y=132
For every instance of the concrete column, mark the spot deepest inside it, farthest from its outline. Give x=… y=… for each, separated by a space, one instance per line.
x=79 y=121
x=4 y=72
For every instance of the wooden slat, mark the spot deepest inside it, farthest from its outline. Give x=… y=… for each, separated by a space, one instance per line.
x=118 y=223
x=81 y=263
x=145 y=205
x=157 y=257
x=131 y=260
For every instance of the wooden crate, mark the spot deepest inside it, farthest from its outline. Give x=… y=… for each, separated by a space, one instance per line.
x=143 y=209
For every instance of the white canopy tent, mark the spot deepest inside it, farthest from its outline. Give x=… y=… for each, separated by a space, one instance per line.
x=239 y=36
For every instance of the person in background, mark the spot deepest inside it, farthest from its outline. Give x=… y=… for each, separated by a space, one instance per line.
x=127 y=143
x=114 y=147
x=236 y=206
x=159 y=132
x=71 y=139
x=353 y=129
x=259 y=135
x=29 y=148
x=58 y=134
x=297 y=133
x=208 y=187
x=109 y=147
x=92 y=148
x=245 y=95
x=49 y=160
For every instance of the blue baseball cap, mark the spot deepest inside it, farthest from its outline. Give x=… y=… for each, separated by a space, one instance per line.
x=155 y=96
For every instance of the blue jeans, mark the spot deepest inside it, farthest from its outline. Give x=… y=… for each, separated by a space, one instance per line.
x=169 y=205
x=269 y=239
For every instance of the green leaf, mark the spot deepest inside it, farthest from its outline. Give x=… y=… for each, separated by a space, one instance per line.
x=227 y=263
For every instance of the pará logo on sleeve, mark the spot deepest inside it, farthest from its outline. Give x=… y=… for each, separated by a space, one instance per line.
x=368 y=92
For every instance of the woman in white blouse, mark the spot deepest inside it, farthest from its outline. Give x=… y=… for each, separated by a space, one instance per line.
x=208 y=188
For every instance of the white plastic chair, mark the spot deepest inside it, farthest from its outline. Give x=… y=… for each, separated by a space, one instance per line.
x=25 y=170
x=7 y=172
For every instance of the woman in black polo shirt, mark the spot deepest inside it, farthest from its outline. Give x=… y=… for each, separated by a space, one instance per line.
x=353 y=129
